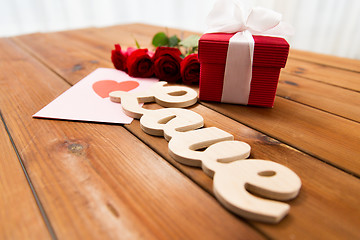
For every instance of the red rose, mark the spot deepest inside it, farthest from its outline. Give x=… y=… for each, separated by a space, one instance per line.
x=139 y=63
x=118 y=58
x=167 y=64
x=130 y=50
x=190 y=69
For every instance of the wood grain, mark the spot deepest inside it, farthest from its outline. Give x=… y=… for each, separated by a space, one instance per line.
x=91 y=179
x=329 y=98
x=101 y=41
x=76 y=62
x=328 y=60
x=323 y=73
x=309 y=130
x=17 y=204
x=328 y=196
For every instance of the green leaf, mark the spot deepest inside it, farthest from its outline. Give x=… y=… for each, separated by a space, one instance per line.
x=190 y=42
x=137 y=44
x=160 y=39
x=173 y=41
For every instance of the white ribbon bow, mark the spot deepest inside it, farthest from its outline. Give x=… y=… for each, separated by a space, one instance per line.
x=229 y=16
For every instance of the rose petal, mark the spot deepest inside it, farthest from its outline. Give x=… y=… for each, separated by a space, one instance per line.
x=118 y=58
x=167 y=64
x=190 y=69
x=140 y=64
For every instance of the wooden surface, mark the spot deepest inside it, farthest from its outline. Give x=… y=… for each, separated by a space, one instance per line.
x=91 y=181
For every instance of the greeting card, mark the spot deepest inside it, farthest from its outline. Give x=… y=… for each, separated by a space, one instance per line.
x=88 y=100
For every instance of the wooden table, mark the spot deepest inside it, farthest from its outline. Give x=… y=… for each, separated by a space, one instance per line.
x=75 y=180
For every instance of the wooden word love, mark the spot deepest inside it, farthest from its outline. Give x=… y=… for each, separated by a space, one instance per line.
x=251 y=188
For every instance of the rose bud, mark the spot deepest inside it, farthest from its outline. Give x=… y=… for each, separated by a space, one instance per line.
x=118 y=58
x=167 y=64
x=140 y=64
x=190 y=69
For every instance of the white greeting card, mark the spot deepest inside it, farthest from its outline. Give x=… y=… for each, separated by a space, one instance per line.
x=88 y=100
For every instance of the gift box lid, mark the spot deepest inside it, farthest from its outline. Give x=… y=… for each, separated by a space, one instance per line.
x=268 y=52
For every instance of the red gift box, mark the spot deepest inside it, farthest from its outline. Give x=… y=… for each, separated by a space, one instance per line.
x=270 y=55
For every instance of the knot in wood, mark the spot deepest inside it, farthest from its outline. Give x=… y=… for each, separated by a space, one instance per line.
x=75 y=148
x=77 y=67
x=268 y=140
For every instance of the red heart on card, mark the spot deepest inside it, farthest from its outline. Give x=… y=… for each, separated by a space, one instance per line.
x=104 y=87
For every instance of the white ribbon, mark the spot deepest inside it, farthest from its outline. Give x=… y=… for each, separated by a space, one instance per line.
x=238 y=69
x=230 y=16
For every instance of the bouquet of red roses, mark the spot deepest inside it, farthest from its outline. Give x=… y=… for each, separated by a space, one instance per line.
x=167 y=62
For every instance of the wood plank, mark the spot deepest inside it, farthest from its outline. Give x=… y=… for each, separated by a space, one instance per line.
x=329 y=98
x=19 y=214
x=289 y=121
x=146 y=31
x=328 y=60
x=309 y=130
x=323 y=73
x=328 y=196
x=114 y=34
x=76 y=62
x=97 y=43
x=91 y=179
x=322 y=193
x=101 y=41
